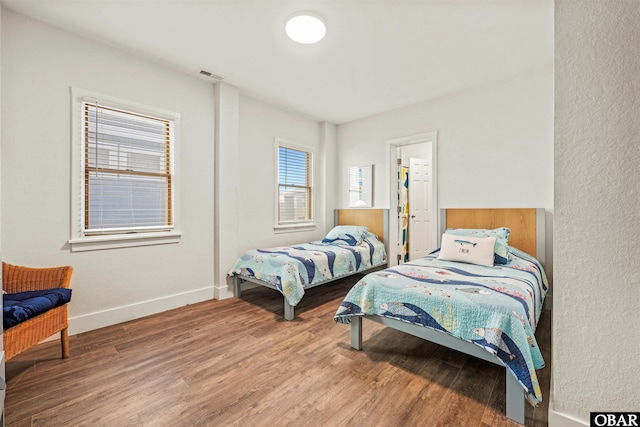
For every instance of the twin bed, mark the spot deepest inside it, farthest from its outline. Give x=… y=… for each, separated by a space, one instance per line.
x=487 y=311
x=483 y=302
x=346 y=250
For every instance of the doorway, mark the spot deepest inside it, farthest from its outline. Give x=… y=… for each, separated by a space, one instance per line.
x=413 y=220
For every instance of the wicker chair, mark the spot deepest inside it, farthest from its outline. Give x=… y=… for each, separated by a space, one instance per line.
x=24 y=335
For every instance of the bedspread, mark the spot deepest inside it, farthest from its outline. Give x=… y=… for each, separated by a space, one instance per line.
x=292 y=268
x=496 y=308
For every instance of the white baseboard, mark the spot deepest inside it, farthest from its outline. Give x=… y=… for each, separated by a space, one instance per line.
x=222 y=292
x=100 y=319
x=559 y=419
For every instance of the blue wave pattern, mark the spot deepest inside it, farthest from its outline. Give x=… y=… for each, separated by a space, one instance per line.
x=496 y=308
x=292 y=268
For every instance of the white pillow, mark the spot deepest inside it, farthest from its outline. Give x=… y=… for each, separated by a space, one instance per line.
x=472 y=250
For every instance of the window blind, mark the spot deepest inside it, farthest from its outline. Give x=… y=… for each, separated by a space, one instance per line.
x=128 y=170
x=294 y=185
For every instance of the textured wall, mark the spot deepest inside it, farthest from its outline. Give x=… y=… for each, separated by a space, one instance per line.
x=596 y=343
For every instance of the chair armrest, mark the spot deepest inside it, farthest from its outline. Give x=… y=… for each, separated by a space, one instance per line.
x=16 y=278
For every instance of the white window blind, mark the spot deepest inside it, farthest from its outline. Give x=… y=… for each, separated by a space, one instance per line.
x=128 y=171
x=294 y=185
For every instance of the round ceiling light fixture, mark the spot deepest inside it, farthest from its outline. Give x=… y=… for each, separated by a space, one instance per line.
x=306 y=27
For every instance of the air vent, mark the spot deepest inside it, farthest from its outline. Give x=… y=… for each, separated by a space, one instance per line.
x=210 y=74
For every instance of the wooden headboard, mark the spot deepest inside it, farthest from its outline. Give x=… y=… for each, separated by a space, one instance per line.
x=375 y=219
x=526 y=224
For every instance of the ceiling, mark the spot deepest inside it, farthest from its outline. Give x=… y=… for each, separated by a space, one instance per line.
x=376 y=56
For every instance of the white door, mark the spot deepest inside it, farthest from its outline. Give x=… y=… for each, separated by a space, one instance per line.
x=420 y=146
x=421 y=218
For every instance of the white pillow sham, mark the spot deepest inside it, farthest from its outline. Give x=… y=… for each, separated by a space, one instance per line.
x=472 y=250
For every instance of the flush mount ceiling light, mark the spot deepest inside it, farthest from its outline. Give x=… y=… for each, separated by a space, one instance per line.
x=305 y=27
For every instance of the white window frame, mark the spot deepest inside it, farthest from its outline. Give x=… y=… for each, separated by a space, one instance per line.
x=79 y=241
x=302 y=225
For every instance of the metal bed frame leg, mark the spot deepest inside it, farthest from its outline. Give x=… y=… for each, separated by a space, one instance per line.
x=356 y=332
x=515 y=398
x=288 y=310
x=237 y=282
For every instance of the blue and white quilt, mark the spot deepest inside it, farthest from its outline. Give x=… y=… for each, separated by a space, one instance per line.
x=496 y=308
x=292 y=268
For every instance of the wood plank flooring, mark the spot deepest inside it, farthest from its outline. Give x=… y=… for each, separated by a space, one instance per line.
x=236 y=362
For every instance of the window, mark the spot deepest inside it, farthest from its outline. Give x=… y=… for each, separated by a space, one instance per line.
x=295 y=188
x=125 y=165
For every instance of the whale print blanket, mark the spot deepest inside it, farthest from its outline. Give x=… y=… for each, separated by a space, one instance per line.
x=292 y=268
x=496 y=308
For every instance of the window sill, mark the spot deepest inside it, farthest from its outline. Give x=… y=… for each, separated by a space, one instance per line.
x=309 y=226
x=94 y=243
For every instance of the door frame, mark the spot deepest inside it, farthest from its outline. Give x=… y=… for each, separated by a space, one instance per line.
x=392 y=147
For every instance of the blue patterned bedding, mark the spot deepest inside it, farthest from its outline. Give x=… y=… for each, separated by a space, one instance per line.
x=293 y=268
x=496 y=308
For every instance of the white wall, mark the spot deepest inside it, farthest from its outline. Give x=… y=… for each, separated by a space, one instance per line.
x=227 y=204
x=246 y=177
x=597 y=275
x=495 y=143
x=2 y=361
x=259 y=124
x=40 y=64
x=329 y=140
x=494 y=147
x=228 y=156
x=1 y=341
x=487 y=136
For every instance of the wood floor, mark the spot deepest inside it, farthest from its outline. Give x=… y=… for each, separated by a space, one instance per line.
x=237 y=363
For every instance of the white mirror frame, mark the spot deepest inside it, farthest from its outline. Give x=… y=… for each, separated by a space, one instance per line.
x=361 y=186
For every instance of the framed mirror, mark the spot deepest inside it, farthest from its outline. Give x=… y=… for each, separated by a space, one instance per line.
x=361 y=186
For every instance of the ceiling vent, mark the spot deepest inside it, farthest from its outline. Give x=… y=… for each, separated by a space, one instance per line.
x=210 y=74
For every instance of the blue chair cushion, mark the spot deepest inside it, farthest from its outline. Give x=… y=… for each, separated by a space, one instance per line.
x=22 y=306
